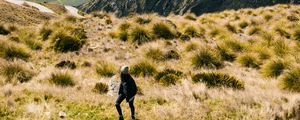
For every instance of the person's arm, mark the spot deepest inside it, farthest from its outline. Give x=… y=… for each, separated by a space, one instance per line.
x=125 y=88
x=120 y=89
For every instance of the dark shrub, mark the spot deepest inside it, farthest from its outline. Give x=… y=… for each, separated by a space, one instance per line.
x=66 y=64
x=215 y=79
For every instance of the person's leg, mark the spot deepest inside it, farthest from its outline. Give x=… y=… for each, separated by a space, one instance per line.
x=118 y=102
x=132 y=109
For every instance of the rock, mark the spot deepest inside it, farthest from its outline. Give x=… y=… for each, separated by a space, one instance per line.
x=62 y=114
x=66 y=64
x=185 y=38
x=113 y=87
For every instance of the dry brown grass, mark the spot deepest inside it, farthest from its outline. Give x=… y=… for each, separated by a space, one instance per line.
x=262 y=98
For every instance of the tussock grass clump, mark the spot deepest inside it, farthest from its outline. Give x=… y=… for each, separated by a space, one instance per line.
x=283 y=32
x=105 y=69
x=155 y=54
x=171 y=54
x=62 y=78
x=140 y=35
x=235 y=45
x=281 y=47
x=243 y=24
x=45 y=33
x=30 y=38
x=161 y=30
x=296 y=35
x=100 y=88
x=292 y=18
x=249 y=60
x=168 y=77
x=123 y=35
x=190 y=17
x=226 y=53
x=66 y=43
x=268 y=17
x=10 y=51
x=143 y=20
x=291 y=80
x=191 y=31
x=216 y=79
x=4 y=30
x=254 y=30
x=206 y=58
x=191 y=47
x=143 y=68
x=70 y=18
x=231 y=28
x=15 y=70
x=274 y=68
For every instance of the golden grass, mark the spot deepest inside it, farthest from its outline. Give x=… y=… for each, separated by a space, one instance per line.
x=262 y=97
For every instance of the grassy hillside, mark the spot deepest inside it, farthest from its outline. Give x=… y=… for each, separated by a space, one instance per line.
x=230 y=65
x=66 y=2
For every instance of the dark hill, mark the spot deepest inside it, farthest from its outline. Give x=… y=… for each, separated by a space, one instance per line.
x=165 y=7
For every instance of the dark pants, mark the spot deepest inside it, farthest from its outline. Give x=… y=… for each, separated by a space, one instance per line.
x=119 y=101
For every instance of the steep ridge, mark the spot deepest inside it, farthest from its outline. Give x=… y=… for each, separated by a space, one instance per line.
x=165 y=7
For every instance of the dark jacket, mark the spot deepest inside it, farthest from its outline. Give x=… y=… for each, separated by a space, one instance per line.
x=127 y=86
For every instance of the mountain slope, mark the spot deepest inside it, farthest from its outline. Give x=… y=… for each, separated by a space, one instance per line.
x=66 y=2
x=15 y=14
x=165 y=7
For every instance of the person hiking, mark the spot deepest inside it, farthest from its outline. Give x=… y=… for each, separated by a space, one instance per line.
x=127 y=91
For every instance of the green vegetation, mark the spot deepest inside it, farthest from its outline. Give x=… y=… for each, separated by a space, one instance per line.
x=62 y=78
x=206 y=58
x=100 y=88
x=143 y=68
x=216 y=79
x=291 y=80
x=168 y=77
x=105 y=69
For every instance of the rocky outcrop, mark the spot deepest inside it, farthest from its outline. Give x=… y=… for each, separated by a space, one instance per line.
x=165 y=7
